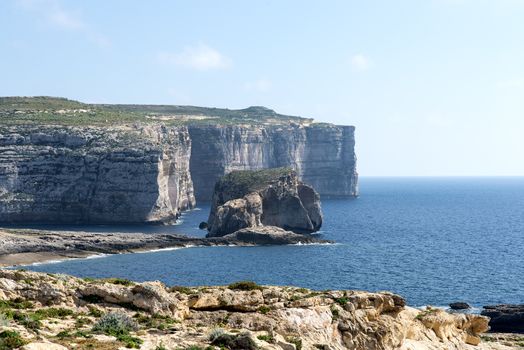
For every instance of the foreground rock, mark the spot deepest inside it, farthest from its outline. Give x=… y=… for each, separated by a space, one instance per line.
x=272 y=197
x=19 y=247
x=505 y=318
x=63 y=310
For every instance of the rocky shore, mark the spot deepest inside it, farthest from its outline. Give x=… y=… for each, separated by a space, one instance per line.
x=46 y=311
x=21 y=247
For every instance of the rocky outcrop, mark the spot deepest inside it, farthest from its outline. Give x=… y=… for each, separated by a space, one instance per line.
x=271 y=197
x=64 y=174
x=505 y=318
x=322 y=154
x=266 y=316
x=22 y=247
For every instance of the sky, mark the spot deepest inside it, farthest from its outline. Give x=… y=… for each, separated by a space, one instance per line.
x=434 y=87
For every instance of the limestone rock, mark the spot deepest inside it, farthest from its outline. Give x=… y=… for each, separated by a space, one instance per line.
x=43 y=346
x=270 y=235
x=271 y=197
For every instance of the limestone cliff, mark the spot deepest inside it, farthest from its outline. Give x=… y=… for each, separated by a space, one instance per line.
x=122 y=174
x=269 y=197
x=67 y=161
x=322 y=154
x=60 y=309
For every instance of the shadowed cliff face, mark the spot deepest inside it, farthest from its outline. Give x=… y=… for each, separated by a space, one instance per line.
x=323 y=155
x=94 y=175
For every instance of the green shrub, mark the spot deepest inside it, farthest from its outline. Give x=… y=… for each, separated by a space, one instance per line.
x=244 y=285
x=95 y=312
x=342 y=301
x=295 y=340
x=63 y=335
x=130 y=341
x=115 y=324
x=53 y=312
x=11 y=340
x=264 y=309
x=266 y=337
x=119 y=281
x=215 y=333
x=181 y=289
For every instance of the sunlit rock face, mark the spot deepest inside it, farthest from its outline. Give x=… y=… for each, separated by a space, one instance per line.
x=270 y=197
x=66 y=174
x=322 y=154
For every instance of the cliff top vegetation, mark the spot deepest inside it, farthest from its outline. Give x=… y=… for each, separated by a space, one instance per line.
x=62 y=111
x=246 y=181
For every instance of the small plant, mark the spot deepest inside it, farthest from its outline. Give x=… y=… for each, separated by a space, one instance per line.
x=296 y=341
x=181 y=289
x=53 y=312
x=119 y=281
x=335 y=313
x=264 y=309
x=342 y=301
x=266 y=337
x=244 y=285
x=95 y=312
x=115 y=324
x=160 y=346
x=63 y=335
x=130 y=341
x=215 y=333
x=11 y=340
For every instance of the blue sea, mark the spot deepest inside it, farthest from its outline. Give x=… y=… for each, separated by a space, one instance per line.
x=431 y=240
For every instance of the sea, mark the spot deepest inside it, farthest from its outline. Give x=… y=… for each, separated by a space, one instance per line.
x=431 y=240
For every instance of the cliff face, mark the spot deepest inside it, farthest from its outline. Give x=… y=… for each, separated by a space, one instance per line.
x=67 y=161
x=94 y=175
x=322 y=155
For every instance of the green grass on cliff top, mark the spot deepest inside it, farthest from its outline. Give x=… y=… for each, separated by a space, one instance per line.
x=54 y=110
x=243 y=182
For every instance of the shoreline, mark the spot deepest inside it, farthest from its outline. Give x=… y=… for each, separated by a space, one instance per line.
x=32 y=246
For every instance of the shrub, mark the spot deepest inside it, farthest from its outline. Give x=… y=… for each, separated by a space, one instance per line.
x=120 y=281
x=215 y=333
x=115 y=324
x=245 y=285
x=264 y=309
x=63 y=335
x=11 y=340
x=267 y=338
x=342 y=301
x=95 y=312
x=160 y=347
x=53 y=312
x=130 y=341
x=181 y=289
x=231 y=341
x=295 y=340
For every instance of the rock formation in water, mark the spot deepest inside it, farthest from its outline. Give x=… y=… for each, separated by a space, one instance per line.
x=66 y=161
x=270 y=197
x=63 y=310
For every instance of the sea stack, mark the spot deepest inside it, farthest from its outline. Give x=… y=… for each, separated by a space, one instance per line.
x=261 y=198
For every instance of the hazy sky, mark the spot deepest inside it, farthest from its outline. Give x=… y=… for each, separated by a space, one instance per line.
x=434 y=87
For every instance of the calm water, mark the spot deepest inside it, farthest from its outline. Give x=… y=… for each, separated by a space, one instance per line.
x=432 y=240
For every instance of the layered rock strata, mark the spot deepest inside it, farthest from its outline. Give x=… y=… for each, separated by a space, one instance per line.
x=270 y=197
x=323 y=155
x=263 y=317
x=65 y=174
